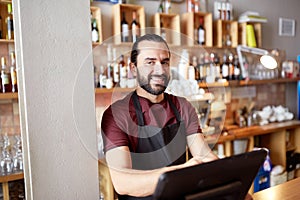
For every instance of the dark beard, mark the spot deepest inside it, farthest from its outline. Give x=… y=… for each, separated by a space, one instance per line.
x=145 y=84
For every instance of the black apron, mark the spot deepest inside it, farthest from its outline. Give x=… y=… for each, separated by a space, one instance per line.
x=157 y=147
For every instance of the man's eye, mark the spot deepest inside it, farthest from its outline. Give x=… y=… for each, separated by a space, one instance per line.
x=149 y=63
x=165 y=63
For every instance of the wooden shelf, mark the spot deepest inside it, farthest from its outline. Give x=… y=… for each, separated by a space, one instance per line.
x=266 y=81
x=202 y=85
x=11 y=177
x=6 y=41
x=5 y=1
x=248 y=82
x=9 y=95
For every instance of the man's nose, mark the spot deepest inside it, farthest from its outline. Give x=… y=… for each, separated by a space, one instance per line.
x=158 y=68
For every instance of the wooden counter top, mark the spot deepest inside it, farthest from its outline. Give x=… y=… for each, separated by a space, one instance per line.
x=260 y=130
x=287 y=191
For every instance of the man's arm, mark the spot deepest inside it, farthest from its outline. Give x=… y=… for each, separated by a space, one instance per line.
x=128 y=181
x=199 y=148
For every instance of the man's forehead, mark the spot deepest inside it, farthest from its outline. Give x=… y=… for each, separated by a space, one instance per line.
x=152 y=45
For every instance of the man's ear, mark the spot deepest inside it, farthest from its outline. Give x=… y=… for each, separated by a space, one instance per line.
x=133 y=68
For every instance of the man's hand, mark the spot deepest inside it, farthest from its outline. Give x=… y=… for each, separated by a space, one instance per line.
x=193 y=161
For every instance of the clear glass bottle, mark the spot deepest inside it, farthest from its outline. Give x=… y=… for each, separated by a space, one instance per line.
x=201 y=32
x=225 y=67
x=135 y=27
x=13 y=73
x=6 y=163
x=9 y=23
x=95 y=31
x=5 y=77
x=18 y=157
x=124 y=29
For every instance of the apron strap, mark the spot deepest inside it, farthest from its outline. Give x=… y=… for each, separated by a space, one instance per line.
x=176 y=112
x=138 y=109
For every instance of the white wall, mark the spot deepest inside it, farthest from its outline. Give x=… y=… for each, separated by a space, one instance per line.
x=272 y=9
x=56 y=99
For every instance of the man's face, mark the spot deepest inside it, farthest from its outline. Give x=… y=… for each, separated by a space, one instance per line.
x=153 y=67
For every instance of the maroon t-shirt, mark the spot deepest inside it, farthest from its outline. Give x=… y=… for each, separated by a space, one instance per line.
x=119 y=121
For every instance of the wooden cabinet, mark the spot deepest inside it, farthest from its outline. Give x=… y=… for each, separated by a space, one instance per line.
x=96 y=14
x=6 y=46
x=168 y=26
x=243 y=33
x=225 y=33
x=191 y=21
x=128 y=10
x=273 y=136
x=4 y=180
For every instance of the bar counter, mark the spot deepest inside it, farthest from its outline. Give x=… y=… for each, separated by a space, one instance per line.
x=289 y=190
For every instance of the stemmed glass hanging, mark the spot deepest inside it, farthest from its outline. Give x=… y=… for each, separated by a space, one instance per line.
x=18 y=156
x=6 y=163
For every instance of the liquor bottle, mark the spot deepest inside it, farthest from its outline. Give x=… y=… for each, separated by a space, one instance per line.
x=167 y=6
x=5 y=77
x=13 y=73
x=225 y=68
x=135 y=27
x=102 y=77
x=206 y=65
x=96 y=77
x=211 y=77
x=201 y=32
x=217 y=68
x=124 y=29
x=160 y=8
x=201 y=68
x=95 y=32
x=116 y=69
x=9 y=23
x=195 y=65
x=109 y=69
x=237 y=70
x=123 y=72
x=230 y=67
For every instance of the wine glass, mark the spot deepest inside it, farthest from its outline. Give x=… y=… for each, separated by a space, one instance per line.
x=18 y=157
x=6 y=163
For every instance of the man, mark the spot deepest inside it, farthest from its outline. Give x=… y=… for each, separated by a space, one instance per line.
x=146 y=133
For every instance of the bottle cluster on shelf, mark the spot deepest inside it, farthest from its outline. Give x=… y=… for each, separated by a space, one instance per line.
x=11 y=157
x=116 y=73
x=209 y=67
x=8 y=74
x=223 y=10
x=6 y=24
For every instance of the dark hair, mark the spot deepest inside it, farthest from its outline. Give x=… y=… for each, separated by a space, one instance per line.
x=149 y=37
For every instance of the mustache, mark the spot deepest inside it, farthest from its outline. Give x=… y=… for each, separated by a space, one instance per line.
x=162 y=76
